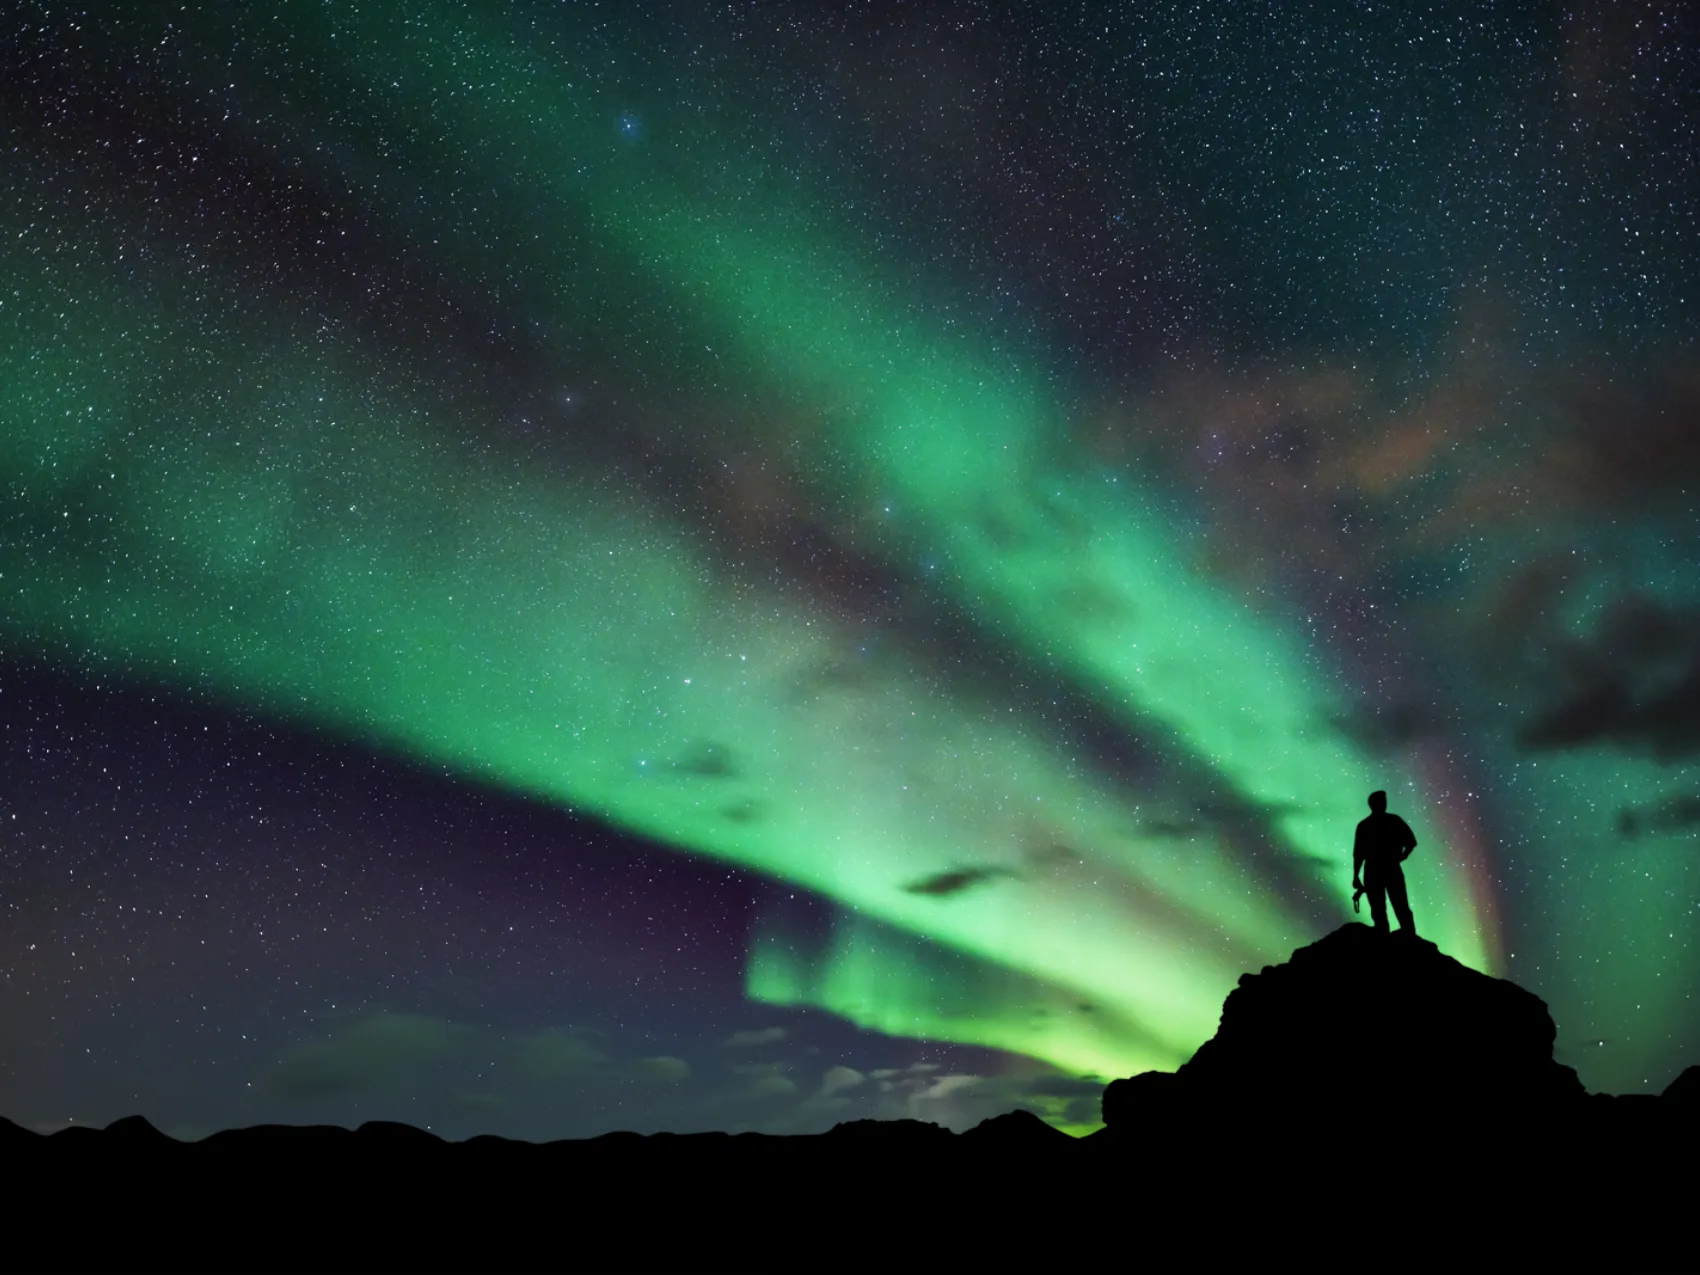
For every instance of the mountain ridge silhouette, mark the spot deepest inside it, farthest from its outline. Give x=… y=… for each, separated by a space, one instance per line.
x=1416 y=1099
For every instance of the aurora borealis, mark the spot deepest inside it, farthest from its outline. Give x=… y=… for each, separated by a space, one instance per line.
x=950 y=508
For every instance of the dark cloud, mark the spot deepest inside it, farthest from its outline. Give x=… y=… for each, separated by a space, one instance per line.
x=1171 y=828
x=558 y=1054
x=706 y=759
x=756 y=1038
x=746 y=811
x=1384 y=729
x=1060 y=1086
x=391 y=1054
x=382 y=1052
x=1084 y=1110
x=487 y=1077
x=1073 y=1100
x=662 y=1069
x=944 y=884
x=1673 y=814
x=1517 y=609
x=1633 y=446
x=1634 y=684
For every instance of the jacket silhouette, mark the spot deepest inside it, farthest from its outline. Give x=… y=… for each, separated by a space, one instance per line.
x=1382 y=843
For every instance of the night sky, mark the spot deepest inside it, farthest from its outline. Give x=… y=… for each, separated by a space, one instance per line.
x=677 y=566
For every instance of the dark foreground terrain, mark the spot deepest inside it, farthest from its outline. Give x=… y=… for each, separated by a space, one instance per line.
x=1427 y=1124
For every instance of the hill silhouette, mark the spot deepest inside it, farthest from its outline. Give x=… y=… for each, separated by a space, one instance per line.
x=1388 y=1011
x=1421 y=1100
x=1369 y=1099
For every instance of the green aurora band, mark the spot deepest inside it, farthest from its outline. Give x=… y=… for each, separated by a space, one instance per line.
x=205 y=492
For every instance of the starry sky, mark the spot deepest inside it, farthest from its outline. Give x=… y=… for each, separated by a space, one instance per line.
x=575 y=566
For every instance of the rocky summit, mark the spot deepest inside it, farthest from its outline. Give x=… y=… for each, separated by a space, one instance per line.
x=1355 y=1015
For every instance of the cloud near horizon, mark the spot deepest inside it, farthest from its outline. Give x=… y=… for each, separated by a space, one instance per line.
x=755 y=1038
x=398 y=1058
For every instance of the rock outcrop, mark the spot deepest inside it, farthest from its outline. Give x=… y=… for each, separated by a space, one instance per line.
x=1355 y=1018
x=1685 y=1089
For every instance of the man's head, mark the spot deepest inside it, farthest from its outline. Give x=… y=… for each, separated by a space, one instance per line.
x=1378 y=801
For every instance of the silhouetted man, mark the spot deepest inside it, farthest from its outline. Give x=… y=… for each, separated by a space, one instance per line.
x=1383 y=842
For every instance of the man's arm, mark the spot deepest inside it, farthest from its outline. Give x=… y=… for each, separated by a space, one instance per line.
x=1410 y=841
x=1357 y=856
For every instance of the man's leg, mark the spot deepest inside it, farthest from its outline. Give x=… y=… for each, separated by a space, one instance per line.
x=1376 y=889
x=1401 y=905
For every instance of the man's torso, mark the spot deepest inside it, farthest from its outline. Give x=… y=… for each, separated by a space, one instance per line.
x=1384 y=838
